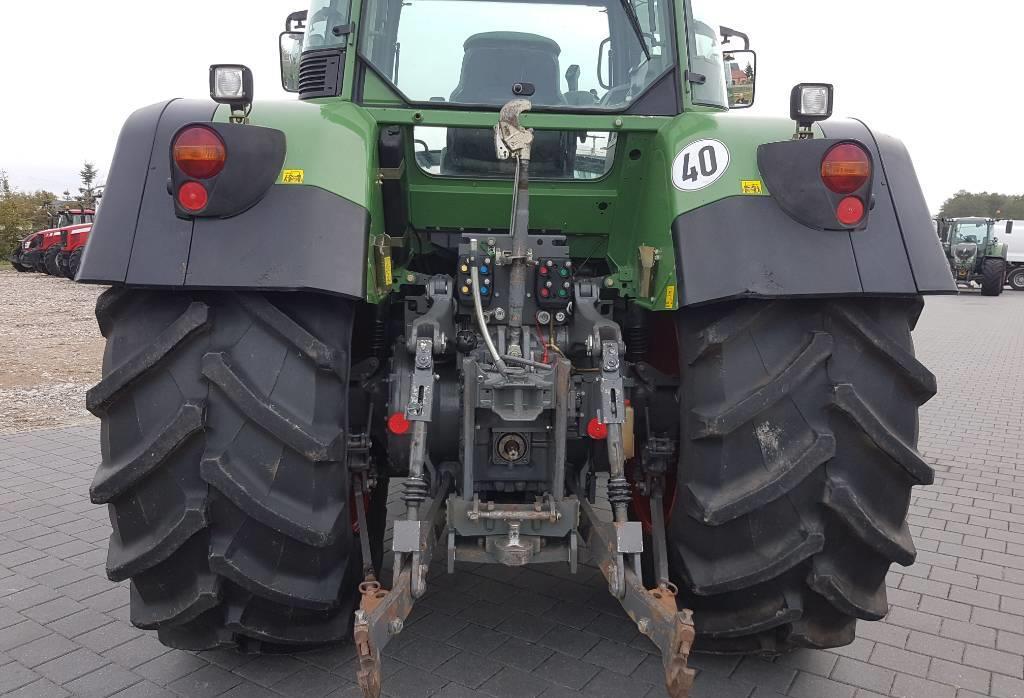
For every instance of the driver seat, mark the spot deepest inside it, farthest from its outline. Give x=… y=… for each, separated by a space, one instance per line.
x=492 y=64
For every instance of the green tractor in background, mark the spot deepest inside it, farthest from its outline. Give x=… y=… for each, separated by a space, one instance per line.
x=521 y=256
x=975 y=253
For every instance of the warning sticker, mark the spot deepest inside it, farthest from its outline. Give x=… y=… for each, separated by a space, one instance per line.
x=670 y=296
x=293 y=176
x=751 y=186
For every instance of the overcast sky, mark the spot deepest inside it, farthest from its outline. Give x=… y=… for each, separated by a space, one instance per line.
x=944 y=77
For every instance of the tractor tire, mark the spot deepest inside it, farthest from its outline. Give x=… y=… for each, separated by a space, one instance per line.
x=50 y=261
x=62 y=266
x=20 y=268
x=1016 y=279
x=798 y=454
x=993 y=277
x=224 y=440
x=75 y=262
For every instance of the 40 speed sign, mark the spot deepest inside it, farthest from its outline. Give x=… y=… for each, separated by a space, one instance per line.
x=699 y=164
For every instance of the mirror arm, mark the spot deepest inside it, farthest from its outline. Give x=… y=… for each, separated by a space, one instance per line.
x=299 y=20
x=728 y=33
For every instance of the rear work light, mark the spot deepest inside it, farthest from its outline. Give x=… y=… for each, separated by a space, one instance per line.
x=199 y=152
x=845 y=168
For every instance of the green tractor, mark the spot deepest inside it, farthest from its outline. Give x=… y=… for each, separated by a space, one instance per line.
x=585 y=317
x=975 y=254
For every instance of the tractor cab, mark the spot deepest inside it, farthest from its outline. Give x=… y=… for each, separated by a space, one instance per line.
x=582 y=57
x=971 y=231
x=72 y=216
x=596 y=55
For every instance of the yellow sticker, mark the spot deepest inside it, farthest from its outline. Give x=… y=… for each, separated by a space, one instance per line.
x=751 y=186
x=387 y=271
x=293 y=176
x=670 y=296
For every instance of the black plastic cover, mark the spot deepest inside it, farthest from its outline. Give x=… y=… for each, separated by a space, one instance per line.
x=137 y=187
x=298 y=237
x=924 y=251
x=254 y=158
x=391 y=156
x=321 y=73
x=161 y=239
x=792 y=172
x=746 y=246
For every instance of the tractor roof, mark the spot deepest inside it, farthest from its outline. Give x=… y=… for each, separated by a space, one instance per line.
x=501 y=39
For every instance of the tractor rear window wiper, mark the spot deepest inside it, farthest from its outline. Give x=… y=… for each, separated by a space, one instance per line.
x=634 y=22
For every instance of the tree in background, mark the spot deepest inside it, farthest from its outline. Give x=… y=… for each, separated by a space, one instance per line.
x=45 y=207
x=21 y=214
x=985 y=204
x=9 y=223
x=87 y=192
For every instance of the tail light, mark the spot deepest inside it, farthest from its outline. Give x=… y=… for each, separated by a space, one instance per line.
x=199 y=152
x=192 y=196
x=845 y=168
x=398 y=424
x=596 y=429
x=850 y=211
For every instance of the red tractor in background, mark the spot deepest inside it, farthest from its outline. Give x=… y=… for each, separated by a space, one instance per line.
x=69 y=259
x=29 y=253
x=39 y=251
x=70 y=256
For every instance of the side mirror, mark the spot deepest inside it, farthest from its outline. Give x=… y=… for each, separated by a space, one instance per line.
x=740 y=77
x=291 y=54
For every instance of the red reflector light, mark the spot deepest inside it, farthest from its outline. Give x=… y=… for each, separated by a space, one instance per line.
x=845 y=168
x=597 y=429
x=398 y=424
x=192 y=196
x=850 y=211
x=199 y=152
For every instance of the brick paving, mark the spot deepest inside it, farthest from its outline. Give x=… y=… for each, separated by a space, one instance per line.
x=955 y=629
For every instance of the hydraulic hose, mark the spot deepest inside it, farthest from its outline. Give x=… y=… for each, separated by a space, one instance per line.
x=478 y=306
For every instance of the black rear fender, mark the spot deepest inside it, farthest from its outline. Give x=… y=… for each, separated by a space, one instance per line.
x=262 y=235
x=770 y=246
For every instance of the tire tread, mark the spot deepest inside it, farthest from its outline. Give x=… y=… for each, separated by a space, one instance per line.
x=213 y=564
x=777 y=549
